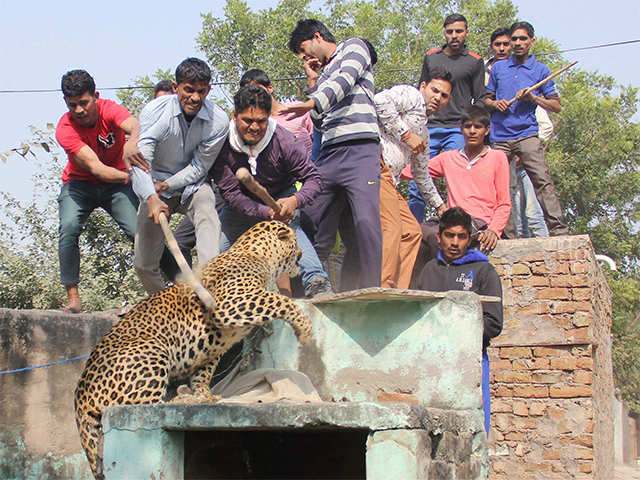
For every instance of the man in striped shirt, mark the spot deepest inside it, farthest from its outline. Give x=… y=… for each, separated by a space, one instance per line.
x=342 y=108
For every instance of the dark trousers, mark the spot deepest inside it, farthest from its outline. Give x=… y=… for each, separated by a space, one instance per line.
x=531 y=153
x=350 y=171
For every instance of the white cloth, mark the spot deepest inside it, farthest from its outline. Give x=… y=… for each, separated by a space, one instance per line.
x=236 y=142
x=266 y=385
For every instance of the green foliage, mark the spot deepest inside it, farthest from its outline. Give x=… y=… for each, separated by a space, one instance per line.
x=135 y=99
x=29 y=270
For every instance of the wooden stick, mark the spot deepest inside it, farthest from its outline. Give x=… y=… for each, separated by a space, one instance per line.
x=203 y=294
x=541 y=82
x=258 y=190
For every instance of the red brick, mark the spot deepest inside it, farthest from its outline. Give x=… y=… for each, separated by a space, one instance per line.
x=581 y=293
x=514 y=436
x=561 y=267
x=583 y=377
x=562 y=427
x=585 y=440
x=551 y=454
x=499 y=270
x=569 y=280
x=570 y=307
x=569 y=391
x=582 y=319
x=509 y=376
x=520 y=409
x=584 y=454
x=520 y=269
x=539 y=269
x=551 y=352
x=528 y=423
x=534 y=281
x=579 y=267
x=581 y=350
x=577 y=334
x=536 y=308
x=537 y=409
x=553 y=293
x=502 y=391
x=500 y=365
x=530 y=364
x=531 y=391
x=589 y=427
x=584 y=363
x=549 y=378
x=564 y=363
x=515 y=352
x=501 y=406
x=586 y=467
x=557 y=413
x=537 y=467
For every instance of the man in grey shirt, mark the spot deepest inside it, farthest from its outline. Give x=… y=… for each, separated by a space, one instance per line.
x=180 y=138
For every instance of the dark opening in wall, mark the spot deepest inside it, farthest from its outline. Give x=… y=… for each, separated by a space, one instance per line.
x=281 y=454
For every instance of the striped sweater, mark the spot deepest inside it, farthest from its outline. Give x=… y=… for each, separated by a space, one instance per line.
x=344 y=109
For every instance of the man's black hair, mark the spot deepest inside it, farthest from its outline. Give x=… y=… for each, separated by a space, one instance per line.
x=455 y=217
x=193 y=70
x=162 y=86
x=475 y=113
x=455 y=17
x=305 y=30
x=252 y=96
x=440 y=73
x=77 y=82
x=500 y=32
x=372 y=51
x=255 y=75
x=524 y=26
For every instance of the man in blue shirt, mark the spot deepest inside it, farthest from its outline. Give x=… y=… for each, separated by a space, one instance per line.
x=180 y=138
x=514 y=129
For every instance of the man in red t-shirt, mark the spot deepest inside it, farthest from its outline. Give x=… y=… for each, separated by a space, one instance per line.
x=92 y=133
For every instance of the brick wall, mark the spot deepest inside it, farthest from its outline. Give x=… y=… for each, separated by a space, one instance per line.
x=551 y=373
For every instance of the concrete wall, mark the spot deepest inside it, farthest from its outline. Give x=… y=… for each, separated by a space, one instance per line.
x=552 y=379
x=38 y=438
x=551 y=372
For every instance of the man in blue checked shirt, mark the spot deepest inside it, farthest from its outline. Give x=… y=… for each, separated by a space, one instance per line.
x=180 y=138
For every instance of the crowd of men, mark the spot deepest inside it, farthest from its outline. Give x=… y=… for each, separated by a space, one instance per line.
x=332 y=162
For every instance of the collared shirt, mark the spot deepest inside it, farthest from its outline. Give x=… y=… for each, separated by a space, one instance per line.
x=343 y=96
x=480 y=185
x=402 y=108
x=506 y=79
x=179 y=153
x=467 y=70
x=283 y=162
x=105 y=138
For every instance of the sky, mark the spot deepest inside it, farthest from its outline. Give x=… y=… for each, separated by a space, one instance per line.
x=117 y=41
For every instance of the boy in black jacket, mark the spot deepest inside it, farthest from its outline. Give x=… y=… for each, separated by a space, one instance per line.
x=459 y=268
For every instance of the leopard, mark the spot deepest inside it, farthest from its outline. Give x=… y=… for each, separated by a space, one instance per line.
x=172 y=336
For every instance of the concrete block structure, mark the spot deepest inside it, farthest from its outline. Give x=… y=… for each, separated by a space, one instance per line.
x=399 y=376
x=551 y=371
x=552 y=384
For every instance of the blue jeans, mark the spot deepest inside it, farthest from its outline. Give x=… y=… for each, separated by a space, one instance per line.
x=440 y=140
x=76 y=201
x=486 y=392
x=235 y=224
x=527 y=212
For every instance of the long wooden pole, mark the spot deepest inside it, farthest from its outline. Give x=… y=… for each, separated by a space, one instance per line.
x=541 y=82
x=203 y=294
x=258 y=190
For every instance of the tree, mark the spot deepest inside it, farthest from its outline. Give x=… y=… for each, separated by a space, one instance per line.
x=135 y=98
x=29 y=272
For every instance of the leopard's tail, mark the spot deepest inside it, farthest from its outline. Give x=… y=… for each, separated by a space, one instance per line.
x=91 y=438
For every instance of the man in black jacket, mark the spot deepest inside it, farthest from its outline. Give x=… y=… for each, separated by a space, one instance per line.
x=459 y=268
